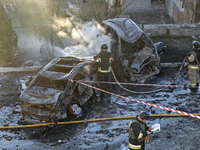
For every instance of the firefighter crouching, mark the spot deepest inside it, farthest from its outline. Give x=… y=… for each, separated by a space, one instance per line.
x=138 y=130
x=104 y=68
x=193 y=67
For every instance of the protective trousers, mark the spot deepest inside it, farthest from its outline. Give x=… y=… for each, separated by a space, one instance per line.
x=193 y=76
x=105 y=77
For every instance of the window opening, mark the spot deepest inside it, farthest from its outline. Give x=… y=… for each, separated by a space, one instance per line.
x=157 y=1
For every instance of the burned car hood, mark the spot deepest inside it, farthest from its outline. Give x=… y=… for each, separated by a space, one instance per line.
x=125 y=28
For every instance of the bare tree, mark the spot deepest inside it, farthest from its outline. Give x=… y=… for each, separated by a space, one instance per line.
x=99 y=9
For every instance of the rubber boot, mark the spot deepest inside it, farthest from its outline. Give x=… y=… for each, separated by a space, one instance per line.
x=185 y=87
x=98 y=99
x=97 y=108
x=193 y=90
x=105 y=95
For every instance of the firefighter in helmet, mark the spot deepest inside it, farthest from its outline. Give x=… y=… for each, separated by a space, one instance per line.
x=138 y=130
x=104 y=68
x=193 y=67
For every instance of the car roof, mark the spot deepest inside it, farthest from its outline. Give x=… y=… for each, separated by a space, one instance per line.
x=125 y=28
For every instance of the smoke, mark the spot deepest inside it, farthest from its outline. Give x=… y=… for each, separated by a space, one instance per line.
x=81 y=39
x=42 y=36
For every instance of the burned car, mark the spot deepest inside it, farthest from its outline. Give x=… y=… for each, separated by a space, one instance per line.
x=132 y=49
x=50 y=96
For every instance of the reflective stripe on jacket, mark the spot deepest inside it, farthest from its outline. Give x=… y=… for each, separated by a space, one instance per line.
x=193 y=67
x=134 y=146
x=105 y=60
x=104 y=71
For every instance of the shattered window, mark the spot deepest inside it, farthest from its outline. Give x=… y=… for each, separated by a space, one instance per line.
x=157 y=1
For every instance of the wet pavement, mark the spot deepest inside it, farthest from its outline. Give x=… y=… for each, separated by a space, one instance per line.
x=176 y=132
x=113 y=134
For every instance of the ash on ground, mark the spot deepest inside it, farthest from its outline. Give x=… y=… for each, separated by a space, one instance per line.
x=176 y=132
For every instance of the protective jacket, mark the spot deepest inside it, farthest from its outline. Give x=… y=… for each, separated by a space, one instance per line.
x=105 y=59
x=192 y=58
x=104 y=69
x=197 y=51
x=137 y=133
x=193 y=68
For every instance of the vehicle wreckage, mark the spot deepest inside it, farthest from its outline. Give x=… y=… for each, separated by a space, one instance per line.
x=133 y=49
x=50 y=96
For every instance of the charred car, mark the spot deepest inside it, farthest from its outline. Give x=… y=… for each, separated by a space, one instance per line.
x=51 y=96
x=132 y=49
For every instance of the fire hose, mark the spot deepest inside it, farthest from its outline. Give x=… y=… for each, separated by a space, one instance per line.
x=135 y=92
x=90 y=120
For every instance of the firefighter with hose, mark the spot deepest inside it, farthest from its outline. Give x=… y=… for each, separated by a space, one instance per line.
x=139 y=131
x=193 y=67
x=104 y=69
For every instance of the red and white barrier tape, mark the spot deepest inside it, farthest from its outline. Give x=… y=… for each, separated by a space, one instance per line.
x=169 y=109
x=137 y=84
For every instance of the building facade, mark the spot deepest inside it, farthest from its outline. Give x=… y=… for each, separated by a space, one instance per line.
x=181 y=11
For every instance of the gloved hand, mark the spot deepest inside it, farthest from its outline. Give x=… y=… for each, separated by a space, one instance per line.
x=150 y=129
x=188 y=54
x=95 y=57
x=148 y=132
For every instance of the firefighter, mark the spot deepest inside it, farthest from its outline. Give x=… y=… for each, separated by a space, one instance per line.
x=193 y=67
x=138 y=130
x=104 y=68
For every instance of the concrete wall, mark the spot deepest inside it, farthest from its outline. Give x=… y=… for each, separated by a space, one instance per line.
x=184 y=11
x=192 y=29
x=181 y=11
x=169 y=7
x=177 y=15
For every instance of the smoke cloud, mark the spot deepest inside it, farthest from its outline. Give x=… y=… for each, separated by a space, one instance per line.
x=42 y=35
x=81 y=39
